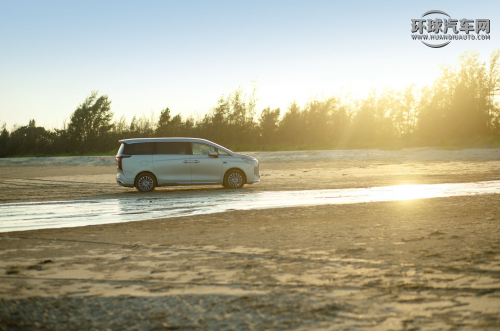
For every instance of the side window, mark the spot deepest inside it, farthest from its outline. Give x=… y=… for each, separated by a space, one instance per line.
x=202 y=149
x=221 y=152
x=173 y=148
x=138 y=149
x=120 y=151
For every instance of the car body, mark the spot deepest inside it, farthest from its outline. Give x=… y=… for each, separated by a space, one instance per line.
x=146 y=163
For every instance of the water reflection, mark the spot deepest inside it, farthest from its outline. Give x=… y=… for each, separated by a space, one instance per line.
x=41 y=215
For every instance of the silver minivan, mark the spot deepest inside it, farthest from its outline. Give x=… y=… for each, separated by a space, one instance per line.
x=145 y=163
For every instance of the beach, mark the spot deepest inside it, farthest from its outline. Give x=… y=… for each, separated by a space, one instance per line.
x=392 y=265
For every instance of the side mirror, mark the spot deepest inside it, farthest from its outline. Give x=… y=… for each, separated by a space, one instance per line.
x=213 y=154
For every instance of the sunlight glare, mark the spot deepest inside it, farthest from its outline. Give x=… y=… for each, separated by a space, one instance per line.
x=408 y=192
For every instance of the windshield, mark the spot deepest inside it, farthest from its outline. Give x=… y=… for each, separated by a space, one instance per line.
x=222 y=148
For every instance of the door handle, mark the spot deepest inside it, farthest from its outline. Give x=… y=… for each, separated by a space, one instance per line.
x=195 y=161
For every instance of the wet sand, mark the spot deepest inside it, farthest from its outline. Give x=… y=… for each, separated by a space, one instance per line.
x=419 y=264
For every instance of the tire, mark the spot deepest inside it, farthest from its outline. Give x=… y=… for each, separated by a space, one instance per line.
x=145 y=182
x=234 y=179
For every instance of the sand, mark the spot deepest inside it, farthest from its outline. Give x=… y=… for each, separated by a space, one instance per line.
x=419 y=264
x=63 y=178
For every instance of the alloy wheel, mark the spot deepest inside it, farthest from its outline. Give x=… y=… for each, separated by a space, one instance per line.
x=235 y=180
x=145 y=183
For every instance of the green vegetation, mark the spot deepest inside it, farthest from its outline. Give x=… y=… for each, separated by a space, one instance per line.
x=460 y=109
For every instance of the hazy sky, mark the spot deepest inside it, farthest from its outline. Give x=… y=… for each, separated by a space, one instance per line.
x=149 y=55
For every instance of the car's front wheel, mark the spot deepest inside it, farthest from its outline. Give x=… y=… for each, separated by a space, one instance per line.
x=145 y=182
x=234 y=179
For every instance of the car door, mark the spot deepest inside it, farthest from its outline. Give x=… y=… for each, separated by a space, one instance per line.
x=172 y=162
x=204 y=168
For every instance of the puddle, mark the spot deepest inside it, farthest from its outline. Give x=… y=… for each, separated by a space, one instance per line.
x=62 y=214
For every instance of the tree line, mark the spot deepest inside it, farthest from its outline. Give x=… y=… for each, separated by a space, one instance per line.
x=461 y=103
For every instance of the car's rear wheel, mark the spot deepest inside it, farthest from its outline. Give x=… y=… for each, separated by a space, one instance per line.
x=234 y=179
x=145 y=182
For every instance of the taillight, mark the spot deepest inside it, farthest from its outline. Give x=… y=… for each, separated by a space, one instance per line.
x=119 y=160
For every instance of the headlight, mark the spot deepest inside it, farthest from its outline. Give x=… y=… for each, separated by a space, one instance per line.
x=248 y=160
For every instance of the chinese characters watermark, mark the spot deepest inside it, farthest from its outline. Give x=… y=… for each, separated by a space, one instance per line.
x=448 y=29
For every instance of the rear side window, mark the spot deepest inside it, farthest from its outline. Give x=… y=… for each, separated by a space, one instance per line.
x=138 y=149
x=173 y=148
x=120 y=151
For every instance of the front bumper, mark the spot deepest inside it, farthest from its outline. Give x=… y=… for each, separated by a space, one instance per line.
x=253 y=175
x=256 y=175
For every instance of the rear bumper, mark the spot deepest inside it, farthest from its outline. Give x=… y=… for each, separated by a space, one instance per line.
x=124 y=181
x=119 y=182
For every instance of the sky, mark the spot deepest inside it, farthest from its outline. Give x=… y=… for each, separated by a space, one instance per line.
x=150 y=55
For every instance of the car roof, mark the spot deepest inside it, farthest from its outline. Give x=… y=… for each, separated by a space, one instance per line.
x=159 y=139
x=173 y=139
